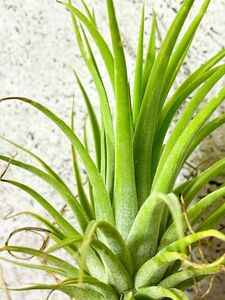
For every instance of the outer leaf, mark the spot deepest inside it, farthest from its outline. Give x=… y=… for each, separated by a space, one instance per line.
x=189 y=85
x=68 y=268
x=186 y=117
x=117 y=275
x=90 y=288
x=94 y=285
x=93 y=264
x=80 y=188
x=176 y=246
x=56 y=234
x=172 y=106
x=213 y=219
x=194 y=214
x=42 y=267
x=47 y=168
x=94 y=123
x=143 y=237
x=73 y=291
x=112 y=239
x=125 y=201
x=179 y=245
x=156 y=292
x=176 y=157
x=152 y=272
x=58 y=186
x=180 y=294
x=61 y=221
x=102 y=201
x=179 y=279
x=206 y=131
x=201 y=180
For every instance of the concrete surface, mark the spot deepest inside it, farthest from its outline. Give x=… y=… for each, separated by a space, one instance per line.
x=37 y=52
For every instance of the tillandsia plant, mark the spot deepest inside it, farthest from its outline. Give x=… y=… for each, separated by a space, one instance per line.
x=137 y=227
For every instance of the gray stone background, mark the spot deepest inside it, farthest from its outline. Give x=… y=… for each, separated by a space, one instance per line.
x=37 y=52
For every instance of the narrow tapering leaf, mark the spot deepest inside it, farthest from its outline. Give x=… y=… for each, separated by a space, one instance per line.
x=94 y=122
x=100 y=42
x=58 y=186
x=80 y=187
x=125 y=201
x=149 y=114
x=151 y=54
x=102 y=202
x=137 y=98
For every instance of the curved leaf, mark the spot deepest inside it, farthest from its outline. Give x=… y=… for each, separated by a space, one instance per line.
x=184 y=123
x=47 y=168
x=112 y=239
x=201 y=180
x=206 y=131
x=94 y=122
x=104 y=103
x=80 y=187
x=102 y=202
x=53 y=260
x=143 y=237
x=98 y=39
x=58 y=186
x=154 y=269
x=60 y=220
x=156 y=292
x=42 y=267
x=177 y=57
x=117 y=275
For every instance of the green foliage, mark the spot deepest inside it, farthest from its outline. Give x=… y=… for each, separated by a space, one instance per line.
x=135 y=226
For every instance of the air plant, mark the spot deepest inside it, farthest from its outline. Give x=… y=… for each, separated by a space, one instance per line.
x=137 y=227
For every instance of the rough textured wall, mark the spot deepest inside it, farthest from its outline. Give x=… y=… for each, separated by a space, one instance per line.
x=37 y=52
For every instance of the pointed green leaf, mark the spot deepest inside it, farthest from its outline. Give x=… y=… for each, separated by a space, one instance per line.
x=94 y=122
x=125 y=201
x=175 y=159
x=151 y=54
x=102 y=202
x=58 y=186
x=100 y=42
x=137 y=98
x=143 y=237
x=184 y=45
x=156 y=292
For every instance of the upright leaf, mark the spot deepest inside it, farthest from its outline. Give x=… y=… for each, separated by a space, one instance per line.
x=149 y=114
x=137 y=98
x=125 y=201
